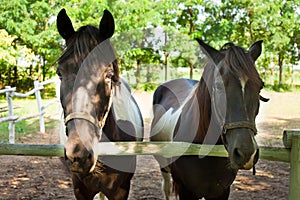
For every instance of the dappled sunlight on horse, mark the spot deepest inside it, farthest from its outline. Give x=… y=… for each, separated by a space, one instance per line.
x=98 y=107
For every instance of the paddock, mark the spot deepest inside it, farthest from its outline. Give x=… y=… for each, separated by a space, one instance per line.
x=51 y=180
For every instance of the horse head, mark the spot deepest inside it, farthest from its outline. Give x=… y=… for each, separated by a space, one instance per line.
x=235 y=95
x=88 y=70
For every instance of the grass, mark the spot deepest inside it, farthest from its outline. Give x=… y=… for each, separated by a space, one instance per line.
x=24 y=108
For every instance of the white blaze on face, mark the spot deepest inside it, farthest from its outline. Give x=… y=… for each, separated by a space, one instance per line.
x=243 y=83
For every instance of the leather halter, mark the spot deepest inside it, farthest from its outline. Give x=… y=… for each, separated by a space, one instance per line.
x=235 y=125
x=90 y=118
x=231 y=125
x=239 y=124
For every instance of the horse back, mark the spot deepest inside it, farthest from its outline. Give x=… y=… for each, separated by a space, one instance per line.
x=173 y=93
x=168 y=100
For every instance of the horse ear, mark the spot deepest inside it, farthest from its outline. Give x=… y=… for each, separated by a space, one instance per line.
x=64 y=25
x=255 y=50
x=211 y=52
x=107 y=25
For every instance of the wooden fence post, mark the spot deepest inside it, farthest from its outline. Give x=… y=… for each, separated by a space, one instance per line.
x=62 y=127
x=39 y=103
x=291 y=139
x=11 y=124
x=294 y=192
x=57 y=94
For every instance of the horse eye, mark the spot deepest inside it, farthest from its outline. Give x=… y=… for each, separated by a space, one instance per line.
x=110 y=74
x=59 y=74
x=219 y=86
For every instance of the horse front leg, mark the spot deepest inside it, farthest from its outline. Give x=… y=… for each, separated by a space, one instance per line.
x=224 y=196
x=166 y=176
x=81 y=192
x=166 y=182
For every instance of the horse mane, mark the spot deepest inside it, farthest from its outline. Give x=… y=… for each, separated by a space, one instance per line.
x=203 y=96
x=83 y=41
x=239 y=63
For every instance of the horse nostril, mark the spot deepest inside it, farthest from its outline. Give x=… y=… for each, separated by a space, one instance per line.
x=76 y=159
x=90 y=156
x=238 y=155
x=67 y=158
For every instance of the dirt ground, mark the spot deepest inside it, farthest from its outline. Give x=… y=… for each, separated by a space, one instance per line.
x=46 y=178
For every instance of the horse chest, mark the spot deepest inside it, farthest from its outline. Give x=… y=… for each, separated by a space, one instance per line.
x=207 y=177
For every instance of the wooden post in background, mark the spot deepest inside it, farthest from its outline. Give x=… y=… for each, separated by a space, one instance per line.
x=11 y=124
x=39 y=104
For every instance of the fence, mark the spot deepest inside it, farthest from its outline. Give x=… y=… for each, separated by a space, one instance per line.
x=290 y=153
x=13 y=119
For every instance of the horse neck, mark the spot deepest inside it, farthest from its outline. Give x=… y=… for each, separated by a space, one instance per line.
x=109 y=132
x=204 y=105
x=208 y=130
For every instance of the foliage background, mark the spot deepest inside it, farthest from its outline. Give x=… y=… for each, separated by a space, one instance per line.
x=154 y=38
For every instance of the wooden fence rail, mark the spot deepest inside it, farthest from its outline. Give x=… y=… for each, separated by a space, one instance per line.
x=290 y=153
x=13 y=119
x=165 y=149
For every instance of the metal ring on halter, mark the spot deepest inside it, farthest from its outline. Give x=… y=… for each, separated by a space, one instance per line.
x=90 y=118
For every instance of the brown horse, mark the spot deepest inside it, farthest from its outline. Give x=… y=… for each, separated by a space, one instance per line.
x=98 y=106
x=220 y=109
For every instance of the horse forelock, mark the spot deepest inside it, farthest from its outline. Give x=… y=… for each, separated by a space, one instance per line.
x=80 y=45
x=240 y=64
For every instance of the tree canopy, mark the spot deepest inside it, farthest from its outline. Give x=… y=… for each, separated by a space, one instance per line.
x=153 y=37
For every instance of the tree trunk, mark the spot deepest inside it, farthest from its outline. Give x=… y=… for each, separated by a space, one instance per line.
x=39 y=71
x=138 y=72
x=9 y=76
x=166 y=66
x=280 y=62
x=292 y=77
x=166 y=57
x=44 y=70
x=191 y=23
x=191 y=70
x=31 y=72
x=15 y=79
x=148 y=76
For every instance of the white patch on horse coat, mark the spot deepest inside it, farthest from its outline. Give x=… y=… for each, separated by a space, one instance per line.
x=250 y=163
x=243 y=83
x=164 y=128
x=124 y=108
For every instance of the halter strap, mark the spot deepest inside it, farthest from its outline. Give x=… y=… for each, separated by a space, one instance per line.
x=235 y=125
x=240 y=124
x=81 y=115
x=102 y=122
x=90 y=118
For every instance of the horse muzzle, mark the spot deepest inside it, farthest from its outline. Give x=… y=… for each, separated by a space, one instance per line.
x=83 y=164
x=243 y=158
